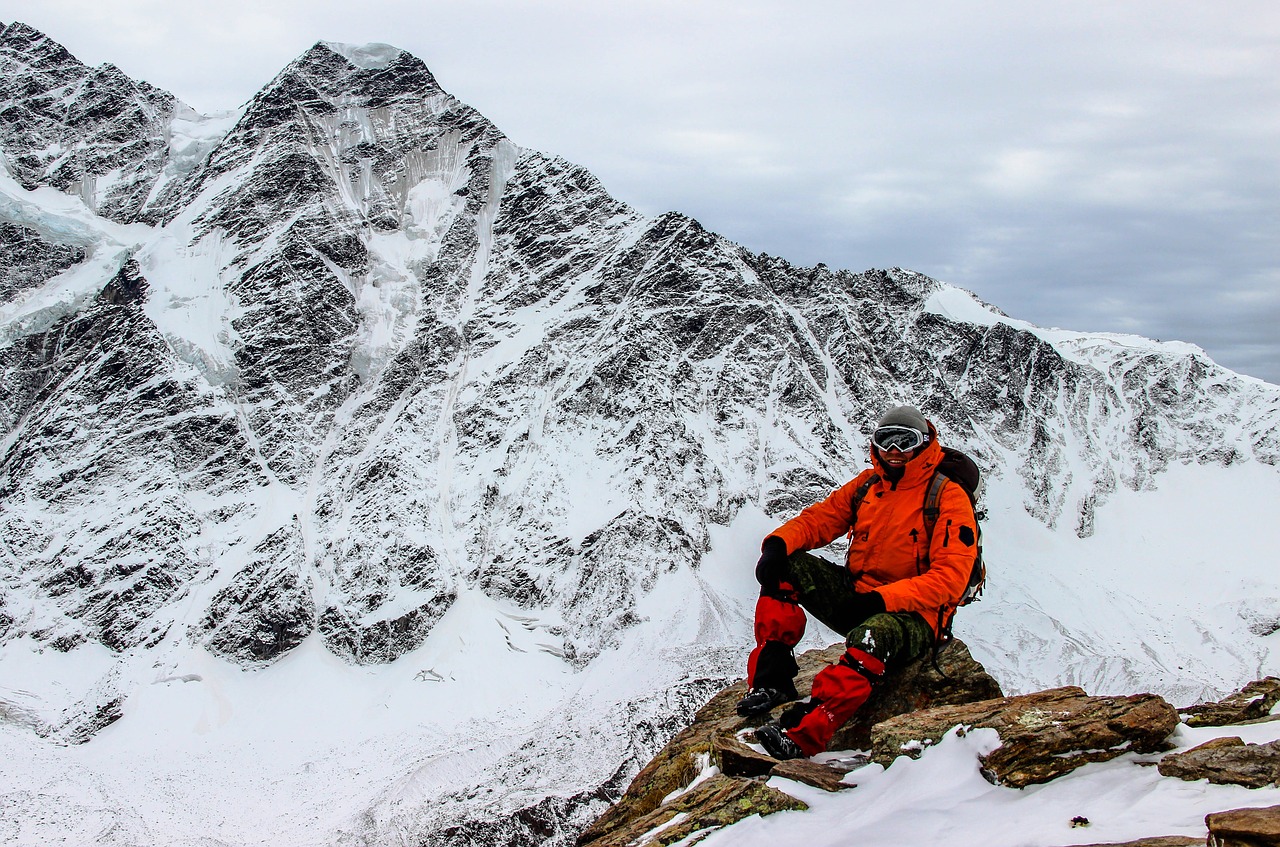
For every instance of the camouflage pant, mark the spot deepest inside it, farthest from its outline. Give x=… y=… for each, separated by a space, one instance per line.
x=826 y=590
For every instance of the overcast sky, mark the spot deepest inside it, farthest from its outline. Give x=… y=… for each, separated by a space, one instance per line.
x=1093 y=166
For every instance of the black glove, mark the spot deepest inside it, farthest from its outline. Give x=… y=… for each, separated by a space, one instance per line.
x=772 y=567
x=866 y=604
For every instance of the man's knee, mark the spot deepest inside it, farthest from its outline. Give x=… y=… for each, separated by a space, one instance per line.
x=893 y=638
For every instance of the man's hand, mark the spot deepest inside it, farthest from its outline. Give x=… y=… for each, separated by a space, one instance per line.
x=867 y=604
x=772 y=567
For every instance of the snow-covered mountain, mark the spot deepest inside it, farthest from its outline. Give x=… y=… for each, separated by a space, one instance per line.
x=344 y=436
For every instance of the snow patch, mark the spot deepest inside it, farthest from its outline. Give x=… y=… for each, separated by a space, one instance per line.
x=369 y=57
x=188 y=299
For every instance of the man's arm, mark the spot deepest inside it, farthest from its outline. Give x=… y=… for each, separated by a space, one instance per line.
x=823 y=522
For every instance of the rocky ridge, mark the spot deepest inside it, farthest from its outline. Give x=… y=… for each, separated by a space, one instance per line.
x=712 y=774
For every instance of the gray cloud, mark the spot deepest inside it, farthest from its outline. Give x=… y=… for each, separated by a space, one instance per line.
x=1104 y=167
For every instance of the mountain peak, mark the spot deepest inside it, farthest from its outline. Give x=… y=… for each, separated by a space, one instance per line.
x=23 y=40
x=367 y=57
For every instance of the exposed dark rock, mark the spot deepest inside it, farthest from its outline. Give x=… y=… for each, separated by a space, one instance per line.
x=106 y=369
x=1255 y=827
x=27 y=260
x=65 y=125
x=1255 y=700
x=812 y=773
x=958 y=678
x=717 y=802
x=1227 y=761
x=127 y=288
x=266 y=610
x=80 y=726
x=737 y=759
x=379 y=641
x=1042 y=735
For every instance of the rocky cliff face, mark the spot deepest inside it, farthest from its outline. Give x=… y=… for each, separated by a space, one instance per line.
x=87 y=131
x=327 y=370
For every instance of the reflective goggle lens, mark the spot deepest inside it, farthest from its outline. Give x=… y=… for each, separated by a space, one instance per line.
x=901 y=438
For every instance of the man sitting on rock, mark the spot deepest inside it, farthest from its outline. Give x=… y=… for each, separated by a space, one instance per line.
x=897 y=589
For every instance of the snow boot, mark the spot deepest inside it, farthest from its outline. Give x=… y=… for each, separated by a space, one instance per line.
x=771 y=674
x=760 y=700
x=777 y=744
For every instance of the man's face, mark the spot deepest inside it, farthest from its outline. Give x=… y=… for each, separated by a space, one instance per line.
x=897 y=445
x=896 y=458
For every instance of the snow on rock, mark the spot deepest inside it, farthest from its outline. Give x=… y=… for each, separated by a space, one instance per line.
x=365 y=56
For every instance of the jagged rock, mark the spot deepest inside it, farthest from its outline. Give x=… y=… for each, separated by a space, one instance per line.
x=1227 y=761
x=1042 y=735
x=813 y=773
x=1258 y=827
x=712 y=735
x=737 y=759
x=67 y=125
x=717 y=802
x=85 y=721
x=27 y=259
x=918 y=686
x=1256 y=700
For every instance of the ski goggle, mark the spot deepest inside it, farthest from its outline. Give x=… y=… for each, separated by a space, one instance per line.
x=904 y=439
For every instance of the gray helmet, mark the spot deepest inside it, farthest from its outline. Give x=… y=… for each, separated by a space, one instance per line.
x=908 y=416
x=902 y=428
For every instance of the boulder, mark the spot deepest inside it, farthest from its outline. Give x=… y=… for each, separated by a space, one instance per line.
x=716 y=802
x=823 y=776
x=1245 y=828
x=737 y=759
x=1256 y=700
x=1042 y=735
x=954 y=679
x=1227 y=761
x=714 y=738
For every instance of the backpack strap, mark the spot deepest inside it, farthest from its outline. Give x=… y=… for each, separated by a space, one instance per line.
x=860 y=494
x=933 y=508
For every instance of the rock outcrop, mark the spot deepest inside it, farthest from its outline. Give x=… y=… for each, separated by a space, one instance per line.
x=715 y=738
x=1244 y=827
x=1255 y=701
x=1042 y=735
x=1227 y=761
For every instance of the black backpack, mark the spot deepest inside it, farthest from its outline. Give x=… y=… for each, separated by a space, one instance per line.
x=957 y=467
x=963 y=471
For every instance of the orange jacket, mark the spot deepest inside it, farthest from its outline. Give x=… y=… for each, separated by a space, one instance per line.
x=886 y=547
